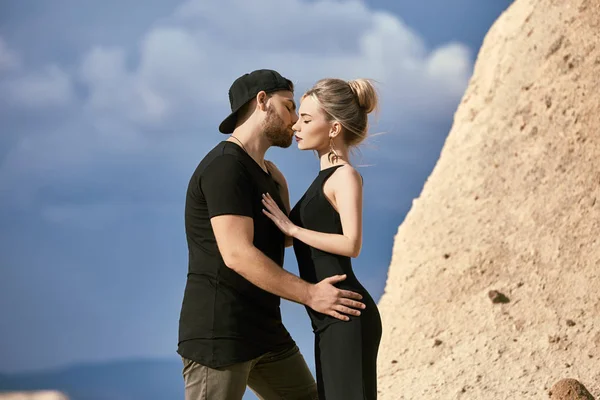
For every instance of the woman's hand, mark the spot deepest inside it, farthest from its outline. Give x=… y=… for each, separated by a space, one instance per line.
x=277 y=216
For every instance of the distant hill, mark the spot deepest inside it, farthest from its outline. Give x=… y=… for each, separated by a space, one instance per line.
x=122 y=380
x=34 y=395
x=119 y=380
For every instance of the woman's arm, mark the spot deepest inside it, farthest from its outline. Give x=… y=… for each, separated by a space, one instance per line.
x=346 y=185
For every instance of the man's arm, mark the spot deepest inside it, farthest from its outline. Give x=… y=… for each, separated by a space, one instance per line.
x=234 y=235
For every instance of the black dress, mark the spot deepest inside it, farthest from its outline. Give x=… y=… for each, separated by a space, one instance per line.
x=345 y=351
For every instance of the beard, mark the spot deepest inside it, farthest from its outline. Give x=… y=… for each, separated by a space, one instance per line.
x=275 y=130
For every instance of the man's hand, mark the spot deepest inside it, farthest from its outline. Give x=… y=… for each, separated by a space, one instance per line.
x=327 y=299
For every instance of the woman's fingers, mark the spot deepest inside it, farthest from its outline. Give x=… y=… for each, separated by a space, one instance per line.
x=273 y=218
x=268 y=199
x=272 y=206
x=268 y=214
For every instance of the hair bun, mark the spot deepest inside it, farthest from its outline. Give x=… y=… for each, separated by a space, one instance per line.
x=365 y=92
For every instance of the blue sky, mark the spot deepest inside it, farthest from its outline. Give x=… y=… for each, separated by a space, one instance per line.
x=105 y=112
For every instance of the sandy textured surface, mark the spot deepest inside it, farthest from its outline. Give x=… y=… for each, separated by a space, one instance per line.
x=513 y=205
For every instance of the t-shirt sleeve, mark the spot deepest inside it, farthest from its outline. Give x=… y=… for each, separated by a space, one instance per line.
x=226 y=187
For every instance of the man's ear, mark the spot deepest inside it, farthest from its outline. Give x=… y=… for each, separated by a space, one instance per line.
x=261 y=100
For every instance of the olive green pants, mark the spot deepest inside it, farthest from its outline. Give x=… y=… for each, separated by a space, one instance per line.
x=272 y=376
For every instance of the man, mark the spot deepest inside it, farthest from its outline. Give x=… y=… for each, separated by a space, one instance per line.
x=230 y=329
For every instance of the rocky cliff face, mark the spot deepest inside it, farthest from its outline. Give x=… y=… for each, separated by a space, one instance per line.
x=512 y=206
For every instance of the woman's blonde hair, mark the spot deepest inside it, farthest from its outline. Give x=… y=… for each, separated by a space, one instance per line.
x=347 y=102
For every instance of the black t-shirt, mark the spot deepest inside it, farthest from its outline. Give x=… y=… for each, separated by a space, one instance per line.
x=224 y=318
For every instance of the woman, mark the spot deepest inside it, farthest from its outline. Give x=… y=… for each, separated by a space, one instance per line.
x=326 y=228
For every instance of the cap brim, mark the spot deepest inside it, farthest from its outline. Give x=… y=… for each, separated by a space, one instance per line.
x=228 y=124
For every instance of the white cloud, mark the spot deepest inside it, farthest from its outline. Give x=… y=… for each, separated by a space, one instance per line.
x=191 y=61
x=49 y=87
x=9 y=60
x=451 y=65
x=71 y=153
x=278 y=26
x=114 y=90
x=178 y=77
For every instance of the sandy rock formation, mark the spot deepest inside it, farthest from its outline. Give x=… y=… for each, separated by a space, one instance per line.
x=39 y=395
x=494 y=286
x=569 y=389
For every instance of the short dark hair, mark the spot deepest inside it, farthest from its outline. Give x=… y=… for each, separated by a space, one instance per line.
x=245 y=109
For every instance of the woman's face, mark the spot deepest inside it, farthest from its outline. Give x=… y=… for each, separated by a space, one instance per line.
x=312 y=128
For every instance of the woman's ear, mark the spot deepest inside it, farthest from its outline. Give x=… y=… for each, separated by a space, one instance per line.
x=336 y=129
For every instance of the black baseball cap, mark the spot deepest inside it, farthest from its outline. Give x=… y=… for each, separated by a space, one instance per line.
x=246 y=87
